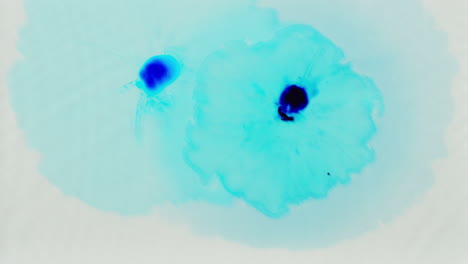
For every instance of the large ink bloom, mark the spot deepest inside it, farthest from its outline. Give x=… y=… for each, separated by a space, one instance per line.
x=281 y=121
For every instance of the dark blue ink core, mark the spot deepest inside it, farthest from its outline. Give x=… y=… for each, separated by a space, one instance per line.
x=292 y=100
x=154 y=73
x=158 y=72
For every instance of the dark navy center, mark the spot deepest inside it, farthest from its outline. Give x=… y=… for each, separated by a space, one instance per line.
x=155 y=73
x=293 y=99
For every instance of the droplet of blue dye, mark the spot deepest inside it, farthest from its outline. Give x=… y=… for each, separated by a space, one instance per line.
x=154 y=73
x=292 y=100
x=158 y=72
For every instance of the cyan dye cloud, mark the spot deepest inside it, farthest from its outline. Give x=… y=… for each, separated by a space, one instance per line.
x=244 y=95
x=185 y=135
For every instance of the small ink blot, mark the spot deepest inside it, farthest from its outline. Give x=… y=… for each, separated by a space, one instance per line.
x=158 y=72
x=294 y=99
x=154 y=73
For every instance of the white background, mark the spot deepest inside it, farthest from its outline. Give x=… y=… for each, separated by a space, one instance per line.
x=38 y=224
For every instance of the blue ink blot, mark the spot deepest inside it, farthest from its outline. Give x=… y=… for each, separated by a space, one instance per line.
x=239 y=137
x=292 y=100
x=158 y=72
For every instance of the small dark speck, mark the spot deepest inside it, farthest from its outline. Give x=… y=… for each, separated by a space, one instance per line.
x=328 y=173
